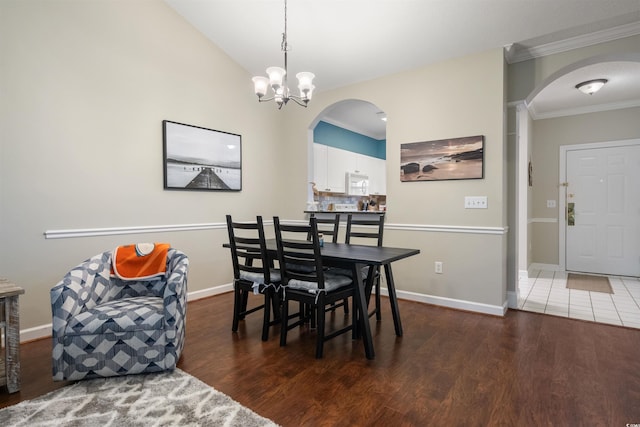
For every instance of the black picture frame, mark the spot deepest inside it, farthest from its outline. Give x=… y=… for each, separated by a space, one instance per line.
x=443 y=159
x=201 y=159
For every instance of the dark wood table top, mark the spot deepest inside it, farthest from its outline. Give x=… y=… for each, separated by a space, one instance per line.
x=361 y=254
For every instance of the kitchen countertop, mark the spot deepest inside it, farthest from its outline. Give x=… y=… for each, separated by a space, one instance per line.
x=348 y=212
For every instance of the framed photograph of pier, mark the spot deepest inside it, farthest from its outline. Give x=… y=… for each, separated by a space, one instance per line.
x=444 y=159
x=197 y=158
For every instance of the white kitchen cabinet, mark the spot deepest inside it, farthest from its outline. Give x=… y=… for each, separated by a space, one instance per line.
x=329 y=168
x=378 y=176
x=338 y=163
x=320 y=166
x=331 y=165
x=375 y=169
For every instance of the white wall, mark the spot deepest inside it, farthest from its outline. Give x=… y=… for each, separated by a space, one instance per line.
x=84 y=88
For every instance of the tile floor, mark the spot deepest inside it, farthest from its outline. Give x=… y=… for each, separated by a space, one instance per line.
x=546 y=292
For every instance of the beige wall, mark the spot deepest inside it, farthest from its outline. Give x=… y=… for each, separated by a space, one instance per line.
x=435 y=102
x=86 y=85
x=548 y=136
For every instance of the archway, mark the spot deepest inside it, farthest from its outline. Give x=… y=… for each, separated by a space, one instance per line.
x=347 y=132
x=565 y=80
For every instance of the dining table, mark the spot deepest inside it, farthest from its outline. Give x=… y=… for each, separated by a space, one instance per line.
x=354 y=257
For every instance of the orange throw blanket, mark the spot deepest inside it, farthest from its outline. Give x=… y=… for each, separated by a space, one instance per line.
x=140 y=261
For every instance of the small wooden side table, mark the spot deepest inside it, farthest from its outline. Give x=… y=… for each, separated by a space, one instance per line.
x=10 y=331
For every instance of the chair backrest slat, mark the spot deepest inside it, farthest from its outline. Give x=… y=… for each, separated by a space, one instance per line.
x=328 y=226
x=375 y=228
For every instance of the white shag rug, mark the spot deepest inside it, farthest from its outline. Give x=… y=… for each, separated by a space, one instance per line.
x=162 y=399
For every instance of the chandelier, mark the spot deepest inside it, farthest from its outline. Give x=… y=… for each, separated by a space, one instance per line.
x=277 y=79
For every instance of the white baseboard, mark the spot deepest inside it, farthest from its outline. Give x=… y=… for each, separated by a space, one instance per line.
x=209 y=292
x=36 y=333
x=457 y=304
x=547 y=267
x=44 y=331
x=523 y=274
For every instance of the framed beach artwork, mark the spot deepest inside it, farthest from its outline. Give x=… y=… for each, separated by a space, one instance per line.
x=444 y=159
x=197 y=158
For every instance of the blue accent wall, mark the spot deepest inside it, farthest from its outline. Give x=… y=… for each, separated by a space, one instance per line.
x=334 y=136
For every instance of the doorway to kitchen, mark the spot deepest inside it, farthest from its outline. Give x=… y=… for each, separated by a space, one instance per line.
x=347 y=157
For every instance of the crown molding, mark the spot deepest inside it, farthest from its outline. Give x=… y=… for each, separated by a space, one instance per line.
x=515 y=53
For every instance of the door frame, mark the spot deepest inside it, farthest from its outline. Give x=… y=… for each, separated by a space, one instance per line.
x=562 y=189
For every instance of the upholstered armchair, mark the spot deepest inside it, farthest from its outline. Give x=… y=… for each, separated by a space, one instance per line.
x=105 y=326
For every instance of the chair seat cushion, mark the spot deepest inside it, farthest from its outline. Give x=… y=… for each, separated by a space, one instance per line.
x=331 y=283
x=125 y=315
x=259 y=278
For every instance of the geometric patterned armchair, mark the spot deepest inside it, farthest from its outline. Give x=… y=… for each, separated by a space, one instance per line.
x=104 y=326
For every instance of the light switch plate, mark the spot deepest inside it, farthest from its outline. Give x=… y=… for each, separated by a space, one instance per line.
x=475 y=202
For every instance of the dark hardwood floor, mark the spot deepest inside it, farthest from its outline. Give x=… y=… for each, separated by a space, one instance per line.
x=450 y=368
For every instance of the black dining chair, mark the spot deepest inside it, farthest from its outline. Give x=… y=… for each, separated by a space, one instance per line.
x=330 y=226
x=253 y=272
x=311 y=285
x=368 y=228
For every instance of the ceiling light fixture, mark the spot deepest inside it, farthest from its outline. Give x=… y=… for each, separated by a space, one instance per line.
x=277 y=79
x=591 y=86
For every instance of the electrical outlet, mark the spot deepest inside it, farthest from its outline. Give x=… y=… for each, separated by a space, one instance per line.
x=438 y=267
x=551 y=203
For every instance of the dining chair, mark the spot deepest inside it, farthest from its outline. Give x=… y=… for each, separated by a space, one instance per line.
x=368 y=228
x=315 y=288
x=253 y=272
x=330 y=226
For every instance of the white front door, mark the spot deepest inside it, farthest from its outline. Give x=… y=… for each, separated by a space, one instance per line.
x=603 y=210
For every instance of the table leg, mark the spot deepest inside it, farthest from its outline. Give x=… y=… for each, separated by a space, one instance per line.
x=397 y=323
x=12 y=336
x=363 y=312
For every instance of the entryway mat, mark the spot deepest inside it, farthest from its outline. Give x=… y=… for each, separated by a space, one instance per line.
x=585 y=282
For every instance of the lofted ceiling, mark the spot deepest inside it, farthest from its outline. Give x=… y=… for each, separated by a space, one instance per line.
x=349 y=41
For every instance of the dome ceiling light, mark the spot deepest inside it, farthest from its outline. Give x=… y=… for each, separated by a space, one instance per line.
x=591 y=86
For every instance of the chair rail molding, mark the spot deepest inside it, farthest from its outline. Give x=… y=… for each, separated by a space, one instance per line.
x=113 y=231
